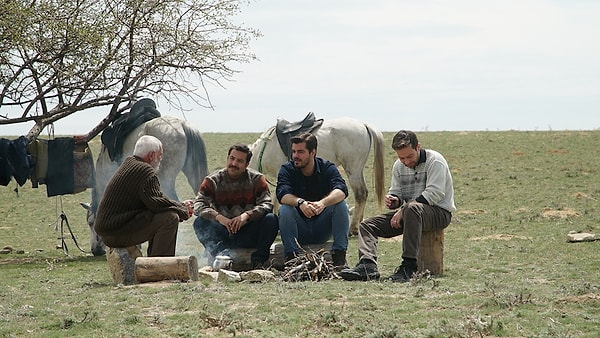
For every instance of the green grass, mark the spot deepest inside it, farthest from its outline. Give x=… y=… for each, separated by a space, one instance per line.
x=508 y=270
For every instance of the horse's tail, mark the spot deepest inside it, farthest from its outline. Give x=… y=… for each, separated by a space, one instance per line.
x=378 y=165
x=196 y=164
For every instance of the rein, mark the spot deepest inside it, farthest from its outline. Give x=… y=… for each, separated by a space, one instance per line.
x=65 y=221
x=264 y=138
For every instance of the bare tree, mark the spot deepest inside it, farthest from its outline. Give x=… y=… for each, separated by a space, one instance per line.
x=60 y=57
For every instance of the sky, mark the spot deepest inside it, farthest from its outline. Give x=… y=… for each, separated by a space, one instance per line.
x=423 y=65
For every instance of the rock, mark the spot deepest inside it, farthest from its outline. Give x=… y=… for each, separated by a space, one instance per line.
x=581 y=237
x=228 y=276
x=6 y=250
x=207 y=276
x=255 y=276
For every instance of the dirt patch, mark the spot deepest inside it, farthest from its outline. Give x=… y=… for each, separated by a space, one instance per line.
x=16 y=261
x=558 y=151
x=562 y=213
x=588 y=298
x=472 y=212
x=504 y=237
x=581 y=195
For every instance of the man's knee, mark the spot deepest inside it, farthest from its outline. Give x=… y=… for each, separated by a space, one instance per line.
x=271 y=222
x=286 y=216
x=286 y=211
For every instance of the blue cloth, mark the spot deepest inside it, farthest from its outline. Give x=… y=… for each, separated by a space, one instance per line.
x=15 y=160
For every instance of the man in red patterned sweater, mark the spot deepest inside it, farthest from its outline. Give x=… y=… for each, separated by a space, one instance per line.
x=235 y=209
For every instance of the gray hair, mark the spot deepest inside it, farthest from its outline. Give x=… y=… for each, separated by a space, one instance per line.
x=145 y=145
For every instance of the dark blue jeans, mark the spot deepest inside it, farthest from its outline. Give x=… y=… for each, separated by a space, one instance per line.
x=259 y=234
x=333 y=221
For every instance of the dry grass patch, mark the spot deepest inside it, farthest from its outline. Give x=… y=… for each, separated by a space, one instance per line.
x=589 y=298
x=559 y=213
x=471 y=212
x=504 y=237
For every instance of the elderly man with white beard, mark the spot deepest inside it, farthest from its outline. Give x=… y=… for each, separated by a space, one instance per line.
x=134 y=210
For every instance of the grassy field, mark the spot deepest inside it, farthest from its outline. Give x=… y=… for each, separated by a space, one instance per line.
x=508 y=269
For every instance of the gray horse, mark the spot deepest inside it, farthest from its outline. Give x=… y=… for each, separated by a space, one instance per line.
x=343 y=141
x=184 y=150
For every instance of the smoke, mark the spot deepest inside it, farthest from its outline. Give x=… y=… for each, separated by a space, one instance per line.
x=188 y=244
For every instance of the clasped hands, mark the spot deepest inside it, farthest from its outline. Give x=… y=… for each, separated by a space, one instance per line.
x=311 y=209
x=233 y=225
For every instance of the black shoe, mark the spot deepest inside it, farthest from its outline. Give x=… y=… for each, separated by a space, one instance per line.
x=338 y=258
x=363 y=271
x=258 y=265
x=290 y=258
x=403 y=273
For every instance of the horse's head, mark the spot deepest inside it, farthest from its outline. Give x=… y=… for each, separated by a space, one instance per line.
x=259 y=147
x=96 y=244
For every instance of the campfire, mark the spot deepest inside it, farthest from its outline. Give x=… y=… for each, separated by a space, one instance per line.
x=309 y=266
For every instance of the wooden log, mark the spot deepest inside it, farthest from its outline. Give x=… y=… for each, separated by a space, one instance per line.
x=431 y=252
x=153 y=269
x=121 y=262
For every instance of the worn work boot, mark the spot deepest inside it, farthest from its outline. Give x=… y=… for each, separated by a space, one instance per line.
x=338 y=258
x=363 y=271
x=259 y=265
x=404 y=272
x=290 y=258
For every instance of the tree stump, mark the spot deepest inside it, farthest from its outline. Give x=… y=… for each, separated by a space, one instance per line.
x=153 y=269
x=121 y=262
x=431 y=252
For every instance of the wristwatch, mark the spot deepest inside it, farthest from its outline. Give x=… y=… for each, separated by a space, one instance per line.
x=300 y=201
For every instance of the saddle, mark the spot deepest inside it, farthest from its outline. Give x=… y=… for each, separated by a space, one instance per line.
x=114 y=135
x=285 y=130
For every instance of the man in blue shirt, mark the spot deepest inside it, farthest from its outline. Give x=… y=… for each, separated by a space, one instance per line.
x=312 y=195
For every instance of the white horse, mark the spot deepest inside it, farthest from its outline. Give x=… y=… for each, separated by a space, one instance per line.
x=343 y=141
x=183 y=150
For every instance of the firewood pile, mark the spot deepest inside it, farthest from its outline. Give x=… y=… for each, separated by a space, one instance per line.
x=309 y=266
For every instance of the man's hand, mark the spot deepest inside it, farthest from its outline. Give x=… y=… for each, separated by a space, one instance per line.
x=233 y=225
x=396 y=219
x=189 y=204
x=238 y=222
x=310 y=209
x=392 y=202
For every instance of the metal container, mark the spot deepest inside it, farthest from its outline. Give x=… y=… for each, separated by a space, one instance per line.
x=222 y=262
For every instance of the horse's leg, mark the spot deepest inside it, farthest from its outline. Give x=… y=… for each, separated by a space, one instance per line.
x=167 y=185
x=359 y=189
